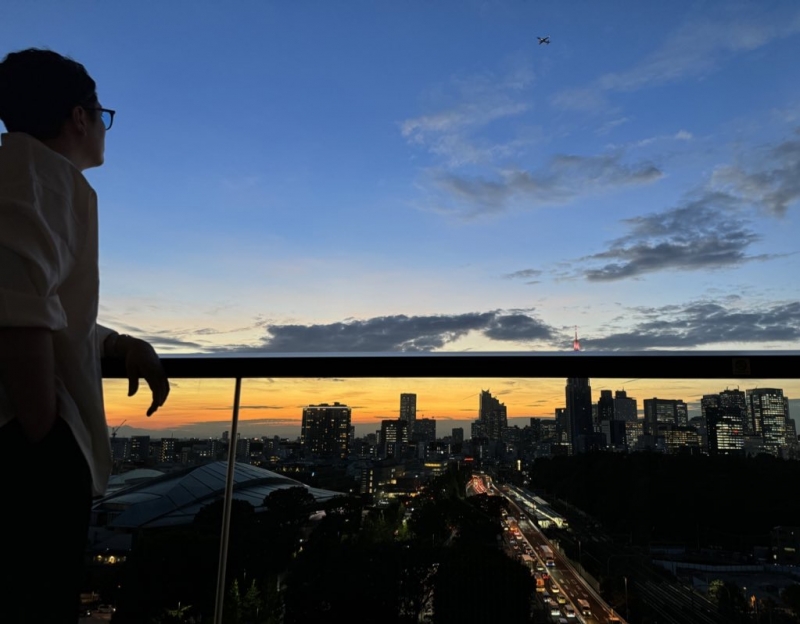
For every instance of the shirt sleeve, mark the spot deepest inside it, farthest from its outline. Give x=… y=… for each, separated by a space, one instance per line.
x=33 y=261
x=102 y=332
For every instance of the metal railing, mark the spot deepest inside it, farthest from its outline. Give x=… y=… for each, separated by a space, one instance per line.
x=646 y=364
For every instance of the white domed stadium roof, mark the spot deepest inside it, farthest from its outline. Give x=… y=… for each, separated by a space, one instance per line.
x=175 y=498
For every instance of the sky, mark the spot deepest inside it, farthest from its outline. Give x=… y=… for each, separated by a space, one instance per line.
x=425 y=176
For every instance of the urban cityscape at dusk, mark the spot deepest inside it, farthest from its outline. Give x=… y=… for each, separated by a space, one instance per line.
x=415 y=187
x=403 y=462
x=731 y=422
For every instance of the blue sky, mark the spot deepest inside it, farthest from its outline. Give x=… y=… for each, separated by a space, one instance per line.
x=313 y=176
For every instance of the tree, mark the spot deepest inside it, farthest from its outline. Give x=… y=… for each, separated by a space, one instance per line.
x=729 y=598
x=179 y=615
x=289 y=507
x=468 y=575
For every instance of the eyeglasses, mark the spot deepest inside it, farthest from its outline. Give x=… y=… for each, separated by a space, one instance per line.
x=107 y=115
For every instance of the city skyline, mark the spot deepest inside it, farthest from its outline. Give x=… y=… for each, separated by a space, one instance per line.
x=452 y=402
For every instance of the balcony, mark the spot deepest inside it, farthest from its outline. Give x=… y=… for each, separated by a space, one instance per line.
x=229 y=482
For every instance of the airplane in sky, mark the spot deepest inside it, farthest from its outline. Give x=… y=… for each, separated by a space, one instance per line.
x=544 y=40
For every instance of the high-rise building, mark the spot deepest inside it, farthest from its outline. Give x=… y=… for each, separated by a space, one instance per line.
x=625 y=407
x=492 y=415
x=394 y=437
x=326 y=430
x=408 y=409
x=120 y=449
x=536 y=430
x=579 y=413
x=724 y=415
x=425 y=430
x=458 y=435
x=666 y=412
x=768 y=415
x=791 y=431
x=140 y=448
x=167 y=450
x=563 y=433
x=634 y=429
x=610 y=425
x=605 y=406
x=243 y=450
x=681 y=439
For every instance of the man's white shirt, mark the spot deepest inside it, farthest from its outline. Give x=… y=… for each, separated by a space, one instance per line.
x=49 y=278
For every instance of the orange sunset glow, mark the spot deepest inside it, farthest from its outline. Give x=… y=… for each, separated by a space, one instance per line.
x=201 y=407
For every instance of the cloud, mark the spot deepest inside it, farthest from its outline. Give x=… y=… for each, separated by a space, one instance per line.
x=696 y=49
x=774 y=187
x=213 y=331
x=524 y=274
x=681 y=135
x=565 y=178
x=710 y=230
x=179 y=339
x=162 y=342
x=704 y=323
x=696 y=235
x=243 y=421
x=401 y=333
x=610 y=125
x=454 y=133
x=518 y=328
x=420 y=129
x=248 y=407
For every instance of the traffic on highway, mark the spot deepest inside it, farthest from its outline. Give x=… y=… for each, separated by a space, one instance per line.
x=564 y=595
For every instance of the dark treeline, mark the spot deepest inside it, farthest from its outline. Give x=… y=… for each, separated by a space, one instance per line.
x=700 y=501
x=358 y=564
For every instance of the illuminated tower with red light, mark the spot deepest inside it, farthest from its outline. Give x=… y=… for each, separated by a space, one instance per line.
x=576 y=345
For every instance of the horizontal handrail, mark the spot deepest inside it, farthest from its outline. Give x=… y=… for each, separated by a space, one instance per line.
x=523 y=364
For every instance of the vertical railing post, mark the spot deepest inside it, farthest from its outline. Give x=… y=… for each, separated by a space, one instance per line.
x=226 y=510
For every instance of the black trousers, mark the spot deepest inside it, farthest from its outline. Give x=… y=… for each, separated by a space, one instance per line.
x=45 y=502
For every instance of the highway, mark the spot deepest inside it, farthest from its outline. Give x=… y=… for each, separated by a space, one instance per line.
x=672 y=602
x=564 y=579
x=565 y=586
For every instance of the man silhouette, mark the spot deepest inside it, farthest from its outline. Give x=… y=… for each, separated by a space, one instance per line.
x=54 y=444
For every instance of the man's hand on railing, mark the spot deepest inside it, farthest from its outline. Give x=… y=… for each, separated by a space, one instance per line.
x=141 y=361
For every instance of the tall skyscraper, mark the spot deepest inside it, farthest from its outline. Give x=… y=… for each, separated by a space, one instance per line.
x=492 y=415
x=605 y=406
x=611 y=424
x=768 y=413
x=408 y=410
x=458 y=435
x=579 y=413
x=625 y=407
x=326 y=430
x=724 y=415
x=394 y=437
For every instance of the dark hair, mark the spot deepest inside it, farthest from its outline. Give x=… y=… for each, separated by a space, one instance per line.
x=39 y=89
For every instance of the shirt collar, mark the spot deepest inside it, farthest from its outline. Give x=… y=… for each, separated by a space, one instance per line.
x=24 y=141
